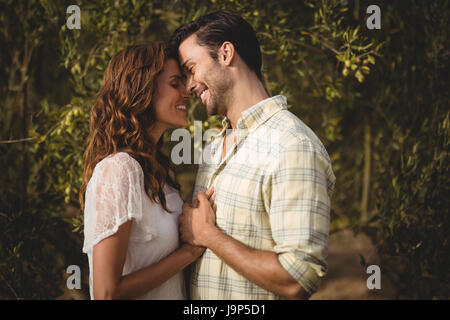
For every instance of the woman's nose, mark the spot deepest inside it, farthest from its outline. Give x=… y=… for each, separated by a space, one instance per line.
x=185 y=93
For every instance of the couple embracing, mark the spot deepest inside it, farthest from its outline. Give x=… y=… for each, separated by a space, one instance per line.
x=255 y=229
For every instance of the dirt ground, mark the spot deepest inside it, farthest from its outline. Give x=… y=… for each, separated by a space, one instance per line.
x=346 y=278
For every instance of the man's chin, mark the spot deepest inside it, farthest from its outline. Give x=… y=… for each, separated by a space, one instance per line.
x=211 y=111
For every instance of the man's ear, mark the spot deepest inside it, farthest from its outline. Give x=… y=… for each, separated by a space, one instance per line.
x=226 y=53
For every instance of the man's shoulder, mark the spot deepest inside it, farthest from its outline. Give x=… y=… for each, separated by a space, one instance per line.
x=290 y=129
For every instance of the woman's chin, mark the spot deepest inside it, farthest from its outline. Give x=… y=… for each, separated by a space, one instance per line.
x=180 y=124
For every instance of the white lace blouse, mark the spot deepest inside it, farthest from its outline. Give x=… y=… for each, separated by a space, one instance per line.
x=115 y=194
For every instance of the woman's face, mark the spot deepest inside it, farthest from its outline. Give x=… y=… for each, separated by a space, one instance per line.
x=170 y=98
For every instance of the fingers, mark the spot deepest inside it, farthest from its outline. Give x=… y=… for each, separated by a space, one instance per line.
x=195 y=203
x=184 y=216
x=186 y=207
x=210 y=195
x=211 y=202
x=184 y=238
x=209 y=192
x=202 y=199
x=181 y=222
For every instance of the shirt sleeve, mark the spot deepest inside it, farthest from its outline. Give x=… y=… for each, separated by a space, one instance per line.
x=113 y=196
x=299 y=189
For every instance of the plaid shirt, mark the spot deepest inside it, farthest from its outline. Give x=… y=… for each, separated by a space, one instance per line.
x=273 y=193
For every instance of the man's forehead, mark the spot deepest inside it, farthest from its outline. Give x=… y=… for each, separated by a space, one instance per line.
x=188 y=48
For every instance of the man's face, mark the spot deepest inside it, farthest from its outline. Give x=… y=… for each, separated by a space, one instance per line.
x=207 y=78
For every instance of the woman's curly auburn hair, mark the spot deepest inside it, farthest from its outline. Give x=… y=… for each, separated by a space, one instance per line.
x=123 y=113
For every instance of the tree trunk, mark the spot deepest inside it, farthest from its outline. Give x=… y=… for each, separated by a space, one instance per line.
x=367 y=170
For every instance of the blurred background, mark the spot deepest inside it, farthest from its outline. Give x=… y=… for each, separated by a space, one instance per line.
x=378 y=100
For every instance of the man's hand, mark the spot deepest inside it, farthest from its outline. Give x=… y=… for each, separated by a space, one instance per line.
x=196 y=222
x=211 y=195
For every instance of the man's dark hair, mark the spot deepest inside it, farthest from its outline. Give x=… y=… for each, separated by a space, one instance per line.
x=213 y=29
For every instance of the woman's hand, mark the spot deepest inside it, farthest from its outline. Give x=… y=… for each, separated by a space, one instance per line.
x=195 y=251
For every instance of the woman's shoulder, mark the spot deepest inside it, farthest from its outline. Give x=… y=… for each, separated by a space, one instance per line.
x=120 y=162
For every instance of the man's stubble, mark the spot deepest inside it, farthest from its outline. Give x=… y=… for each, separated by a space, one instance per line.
x=220 y=92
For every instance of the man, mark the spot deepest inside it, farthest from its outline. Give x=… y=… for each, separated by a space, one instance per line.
x=269 y=237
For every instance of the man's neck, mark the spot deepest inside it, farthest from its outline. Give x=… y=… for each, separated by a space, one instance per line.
x=246 y=93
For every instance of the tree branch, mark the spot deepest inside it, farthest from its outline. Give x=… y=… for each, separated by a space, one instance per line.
x=16 y=140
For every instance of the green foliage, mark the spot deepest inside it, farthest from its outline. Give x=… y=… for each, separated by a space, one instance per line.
x=374 y=97
x=414 y=212
x=32 y=255
x=411 y=151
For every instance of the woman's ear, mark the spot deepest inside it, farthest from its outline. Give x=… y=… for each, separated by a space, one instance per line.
x=226 y=53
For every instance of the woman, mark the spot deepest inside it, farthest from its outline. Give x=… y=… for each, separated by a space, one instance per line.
x=131 y=202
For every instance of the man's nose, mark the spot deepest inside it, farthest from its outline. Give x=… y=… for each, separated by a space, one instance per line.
x=190 y=85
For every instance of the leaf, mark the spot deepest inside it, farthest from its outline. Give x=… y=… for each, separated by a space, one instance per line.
x=365 y=69
x=355 y=32
x=395 y=145
x=394 y=182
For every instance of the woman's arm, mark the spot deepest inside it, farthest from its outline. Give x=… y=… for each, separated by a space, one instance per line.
x=109 y=258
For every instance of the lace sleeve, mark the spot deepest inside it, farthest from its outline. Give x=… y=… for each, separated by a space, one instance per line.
x=113 y=196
